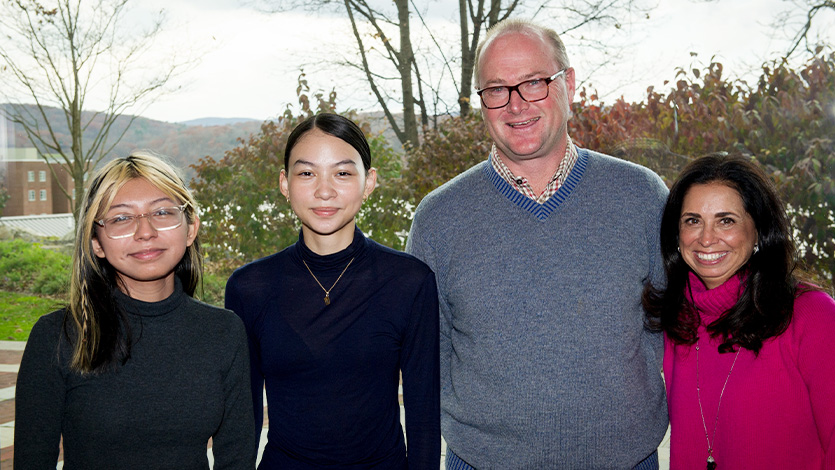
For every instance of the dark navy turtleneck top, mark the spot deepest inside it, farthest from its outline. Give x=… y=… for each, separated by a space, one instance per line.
x=332 y=371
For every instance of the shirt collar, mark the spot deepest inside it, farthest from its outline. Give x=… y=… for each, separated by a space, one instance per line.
x=520 y=183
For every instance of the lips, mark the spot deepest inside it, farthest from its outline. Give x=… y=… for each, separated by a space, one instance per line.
x=710 y=257
x=325 y=211
x=525 y=123
x=148 y=254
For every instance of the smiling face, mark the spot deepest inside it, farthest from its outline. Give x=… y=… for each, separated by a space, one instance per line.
x=325 y=182
x=523 y=130
x=144 y=262
x=716 y=235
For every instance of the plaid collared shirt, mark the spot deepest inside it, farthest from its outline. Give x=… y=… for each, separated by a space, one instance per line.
x=520 y=183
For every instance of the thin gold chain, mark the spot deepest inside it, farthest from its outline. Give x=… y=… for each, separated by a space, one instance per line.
x=327 y=291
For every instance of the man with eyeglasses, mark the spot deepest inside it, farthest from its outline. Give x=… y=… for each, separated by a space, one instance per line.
x=541 y=254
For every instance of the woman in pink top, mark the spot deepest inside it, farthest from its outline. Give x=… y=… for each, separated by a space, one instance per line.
x=748 y=346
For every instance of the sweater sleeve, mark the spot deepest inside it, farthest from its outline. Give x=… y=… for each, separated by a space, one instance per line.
x=656 y=275
x=233 y=444
x=235 y=301
x=815 y=349
x=416 y=246
x=39 y=398
x=421 y=387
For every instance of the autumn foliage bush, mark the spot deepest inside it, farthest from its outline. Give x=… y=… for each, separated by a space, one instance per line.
x=785 y=122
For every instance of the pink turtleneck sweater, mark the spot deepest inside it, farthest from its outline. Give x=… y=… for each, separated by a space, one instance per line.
x=778 y=409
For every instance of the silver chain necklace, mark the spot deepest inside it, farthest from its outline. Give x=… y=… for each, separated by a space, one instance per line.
x=711 y=463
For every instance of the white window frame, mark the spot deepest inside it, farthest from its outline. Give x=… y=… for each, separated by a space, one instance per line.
x=31 y=176
x=42 y=176
x=31 y=195
x=43 y=195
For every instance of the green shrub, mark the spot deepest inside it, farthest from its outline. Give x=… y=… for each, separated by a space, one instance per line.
x=213 y=289
x=28 y=267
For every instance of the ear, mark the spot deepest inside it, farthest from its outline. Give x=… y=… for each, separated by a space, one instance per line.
x=192 y=230
x=97 y=249
x=282 y=184
x=570 y=84
x=370 y=182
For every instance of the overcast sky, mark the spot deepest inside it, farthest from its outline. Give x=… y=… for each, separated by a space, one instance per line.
x=250 y=60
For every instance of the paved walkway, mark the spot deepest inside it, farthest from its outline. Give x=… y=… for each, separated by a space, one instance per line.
x=12 y=351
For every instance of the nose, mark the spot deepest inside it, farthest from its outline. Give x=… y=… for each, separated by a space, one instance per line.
x=324 y=190
x=144 y=229
x=516 y=103
x=707 y=237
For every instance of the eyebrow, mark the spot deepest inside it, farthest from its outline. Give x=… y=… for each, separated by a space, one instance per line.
x=524 y=78
x=133 y=206
x=339 y=163
x=718 y=214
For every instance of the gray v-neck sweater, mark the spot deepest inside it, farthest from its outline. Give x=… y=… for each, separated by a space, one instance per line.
x=545 y=362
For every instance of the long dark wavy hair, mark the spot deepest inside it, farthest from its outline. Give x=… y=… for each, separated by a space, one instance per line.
x=765 y=306
x=95 y=326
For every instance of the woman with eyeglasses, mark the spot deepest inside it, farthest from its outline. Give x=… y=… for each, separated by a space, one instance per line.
x=135 y=373
x=336 y=319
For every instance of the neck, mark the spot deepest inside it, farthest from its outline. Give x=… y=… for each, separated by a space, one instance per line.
x=539 y=170
x=330 y=243
x=148 y=291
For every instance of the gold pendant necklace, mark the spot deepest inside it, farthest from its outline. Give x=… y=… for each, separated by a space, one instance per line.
x=327 y=291
x=711 y=463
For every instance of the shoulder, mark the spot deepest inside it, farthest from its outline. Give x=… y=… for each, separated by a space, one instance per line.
x=451 y=191
x=398 y=261
x=214 y=319
x=813 y=320
x=48 y=327
x=260 y=269
x=814 y=308
x=458 y=201
x=623 y=179
x=46 y=338
x=619 y=168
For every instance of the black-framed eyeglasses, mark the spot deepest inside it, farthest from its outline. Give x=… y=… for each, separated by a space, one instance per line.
x=536 y=89
x=125 y=225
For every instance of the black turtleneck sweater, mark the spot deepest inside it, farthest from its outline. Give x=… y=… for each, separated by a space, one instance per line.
x=332 y=371
x=185 y=382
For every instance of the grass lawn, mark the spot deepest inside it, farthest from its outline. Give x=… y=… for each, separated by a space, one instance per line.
x=20 y=312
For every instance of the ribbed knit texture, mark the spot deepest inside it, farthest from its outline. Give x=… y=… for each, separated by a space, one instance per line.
x=332 y=371
x=778 y=409
x=185 y=382
x=545 y=362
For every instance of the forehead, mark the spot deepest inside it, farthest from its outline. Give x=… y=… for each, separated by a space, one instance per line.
x=320 y=148
x=712 y=198
x=138 y=192
x=517 y=55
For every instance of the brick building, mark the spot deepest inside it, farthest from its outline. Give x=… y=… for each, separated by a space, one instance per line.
x=34 y=185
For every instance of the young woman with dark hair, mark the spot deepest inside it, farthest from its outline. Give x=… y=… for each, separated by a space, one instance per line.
x=134 y=373
x=335 y=320
x=747 y=343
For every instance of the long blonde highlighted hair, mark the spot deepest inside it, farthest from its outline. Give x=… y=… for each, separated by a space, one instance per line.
x=96 y=327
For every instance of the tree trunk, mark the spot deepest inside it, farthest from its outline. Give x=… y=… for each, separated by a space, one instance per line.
x=410 y=126
x=466 y=59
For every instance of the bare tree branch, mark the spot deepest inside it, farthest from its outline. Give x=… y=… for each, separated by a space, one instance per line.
x=60 y=56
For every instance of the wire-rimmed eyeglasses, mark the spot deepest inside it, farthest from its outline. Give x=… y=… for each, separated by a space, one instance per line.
x=125 y=225
x=536 y=89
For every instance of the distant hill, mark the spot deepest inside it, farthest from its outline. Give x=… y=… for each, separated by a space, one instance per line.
x=216 y=121
x=183 y=143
